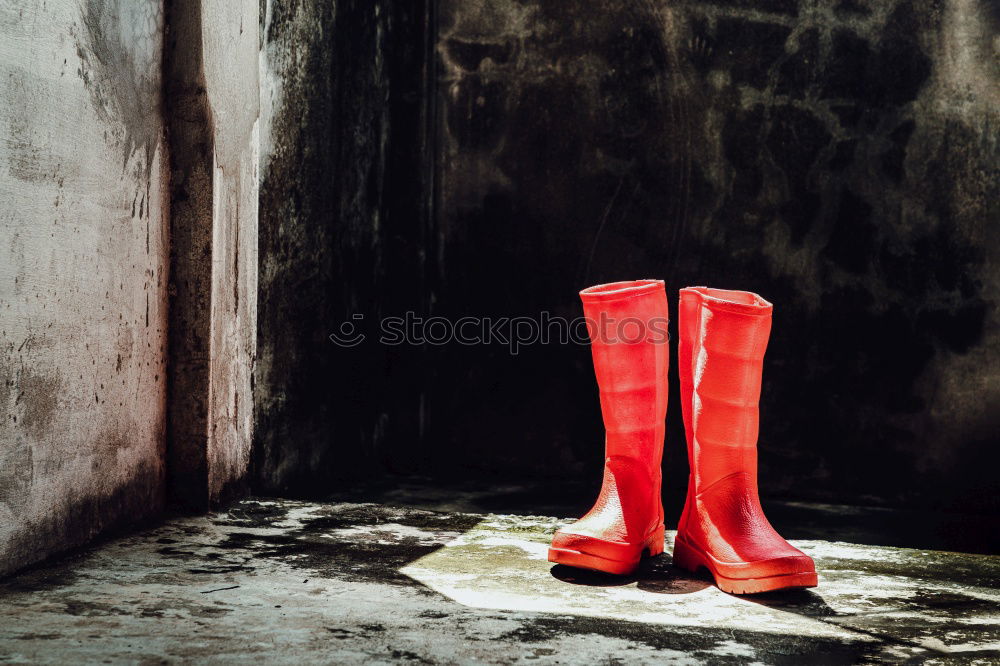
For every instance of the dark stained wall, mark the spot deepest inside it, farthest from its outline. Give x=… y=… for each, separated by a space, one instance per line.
x=840 y=158
x=344 y=193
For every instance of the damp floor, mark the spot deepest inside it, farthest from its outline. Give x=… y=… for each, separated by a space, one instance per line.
x=290 y=582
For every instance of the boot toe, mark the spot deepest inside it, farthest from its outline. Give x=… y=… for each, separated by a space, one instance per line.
x=778 y=566
x=787 y=567
x=590 y=552
x=573 y=538
x=782 y=561
x=566 y=539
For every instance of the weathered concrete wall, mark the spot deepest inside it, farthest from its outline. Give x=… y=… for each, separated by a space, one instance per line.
x=83 y=272
x=213 y=101
x=840 y=158
x=231 y=75
x=344 y=195
x=292 y=391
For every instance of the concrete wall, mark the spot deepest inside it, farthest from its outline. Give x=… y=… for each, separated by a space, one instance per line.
x=344 y=200
x=83 y=272
x=231 y=75
x=213 y=101
x=102 y=224
x=840 y=158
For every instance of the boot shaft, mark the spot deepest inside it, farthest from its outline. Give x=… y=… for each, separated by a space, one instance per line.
x=627 y=322
x=723 y=337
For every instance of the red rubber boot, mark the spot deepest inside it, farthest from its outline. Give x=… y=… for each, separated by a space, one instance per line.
x=723 y=335
x=629 y=343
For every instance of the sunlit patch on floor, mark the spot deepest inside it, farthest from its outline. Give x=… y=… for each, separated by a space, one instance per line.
x=867 y=594
x=289 y=582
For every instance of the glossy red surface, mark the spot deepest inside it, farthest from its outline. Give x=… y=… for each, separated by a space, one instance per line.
x=631 y=357
x=723 y=336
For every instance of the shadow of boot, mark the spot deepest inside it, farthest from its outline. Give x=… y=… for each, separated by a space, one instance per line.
x=802 y=602
x=658 y=575
x=589 y=578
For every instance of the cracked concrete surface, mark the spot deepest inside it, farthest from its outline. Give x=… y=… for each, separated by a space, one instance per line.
x=293 y=582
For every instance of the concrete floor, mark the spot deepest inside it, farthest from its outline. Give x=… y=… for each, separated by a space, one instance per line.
x=281 y=581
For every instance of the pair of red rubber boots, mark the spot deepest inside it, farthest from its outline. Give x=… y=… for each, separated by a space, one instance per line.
x=723 y=335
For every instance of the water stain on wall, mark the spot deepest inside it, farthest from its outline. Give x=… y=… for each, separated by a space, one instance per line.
x=30 y=157
x=16 y=471
x=6 y=387
x=119 y=43
x=26 y=402
x=39 y=397
x=16 y=477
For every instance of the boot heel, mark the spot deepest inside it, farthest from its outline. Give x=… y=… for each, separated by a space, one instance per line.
x=686 y=557
x=655 y=542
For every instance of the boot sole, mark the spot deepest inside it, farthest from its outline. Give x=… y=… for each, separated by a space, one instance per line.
x=653 y=545
x=691 y=558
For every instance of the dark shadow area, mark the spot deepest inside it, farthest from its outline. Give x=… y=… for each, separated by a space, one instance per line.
x=489 y=160
x=497 y=495
x=655 y=574
x=589 y=578
x=873 y=526
x=886 y=630
x=366 y=553
x=802 y=602
x=877 y=526
x=659 y=575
